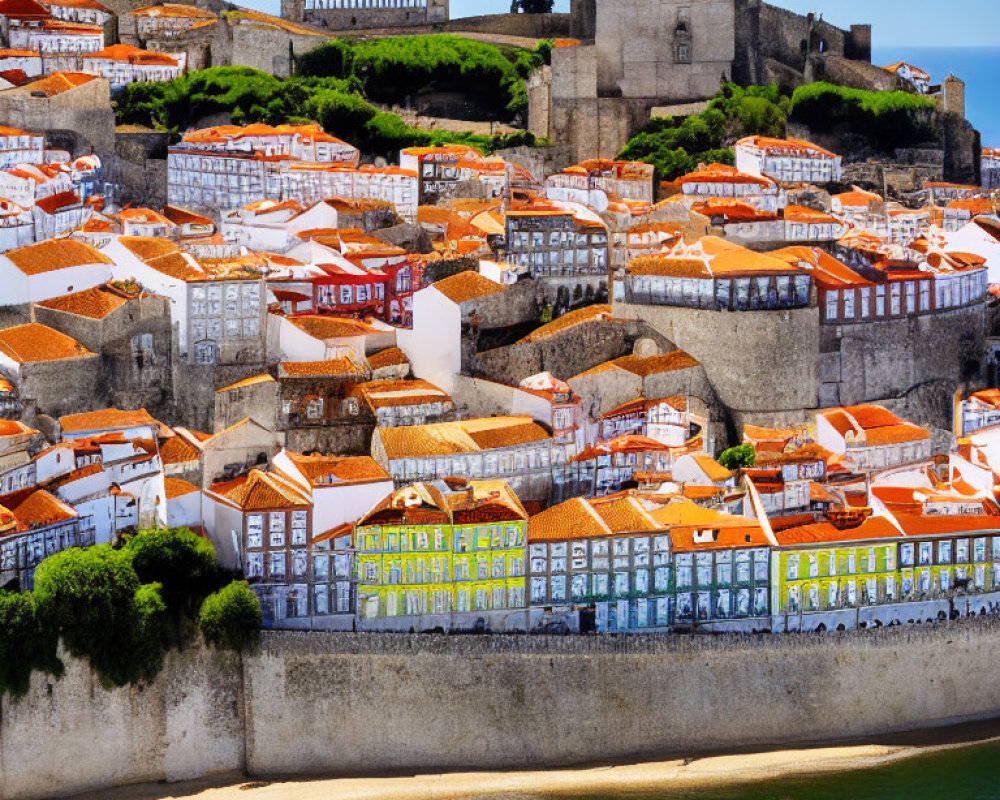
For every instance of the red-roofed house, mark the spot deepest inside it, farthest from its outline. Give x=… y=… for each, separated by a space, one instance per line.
x=123 y=64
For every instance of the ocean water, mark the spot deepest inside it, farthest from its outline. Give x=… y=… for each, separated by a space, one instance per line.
x=979 y=67
x=968 y=773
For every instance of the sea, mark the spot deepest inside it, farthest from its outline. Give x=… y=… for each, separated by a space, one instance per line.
x=967 y=773
x=979 y=67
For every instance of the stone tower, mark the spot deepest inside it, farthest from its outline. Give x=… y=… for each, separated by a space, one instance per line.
x=437 y=11
x=953 y=95
x=665 y=50
x=293 y=10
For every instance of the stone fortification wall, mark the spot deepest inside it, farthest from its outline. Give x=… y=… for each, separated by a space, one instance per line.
x=355 y=704
x=529 y=26
x=71 y=735
x=757 y=362
x=806 y=365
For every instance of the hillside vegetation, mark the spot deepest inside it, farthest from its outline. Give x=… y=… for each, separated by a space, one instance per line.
x=123 y=608
x=249 y=95
x=886 y=120
x=394 y=70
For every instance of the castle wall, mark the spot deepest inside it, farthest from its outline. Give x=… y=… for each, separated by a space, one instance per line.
x=310 y=703
x=776 y=368
x=639 y=48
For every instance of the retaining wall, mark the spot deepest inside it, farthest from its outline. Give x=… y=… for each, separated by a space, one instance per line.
x=355 y=703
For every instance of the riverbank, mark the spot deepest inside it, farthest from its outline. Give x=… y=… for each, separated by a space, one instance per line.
x=619 y=780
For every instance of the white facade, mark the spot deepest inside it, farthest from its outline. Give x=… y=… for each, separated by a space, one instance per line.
x=27 y=287
x=787 y=161
x=436 y=319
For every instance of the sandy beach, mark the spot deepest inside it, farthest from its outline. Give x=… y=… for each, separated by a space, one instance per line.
x=622 y=779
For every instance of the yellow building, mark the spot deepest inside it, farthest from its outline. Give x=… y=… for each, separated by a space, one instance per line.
x=442 y=547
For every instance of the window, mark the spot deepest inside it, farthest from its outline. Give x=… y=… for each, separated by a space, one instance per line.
x=206 y=353
x=142 y=350
x=314 y=408
x=880 y=301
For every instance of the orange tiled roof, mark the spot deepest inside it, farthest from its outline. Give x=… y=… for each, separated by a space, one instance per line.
x=40 y=508
x=254 y=380
x=96 y=303
x=391 y=357
x=175 y=487
x=465 y=436
x=107 y=419
x=261 y=491
x=178 y=450
x=794 y=145
x=55 y=254
x=320 y=327
x=174 y=10
x=329 y=368
x=338 y=470
x=466 y=286
x=644 y=367
x=569 y=320
x=34 y=342
x=59 y=82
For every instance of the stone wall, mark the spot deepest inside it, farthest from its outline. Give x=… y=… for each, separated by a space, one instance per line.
x=335 y=704
x=85 y=110
x=71 y=735
x=776 y=368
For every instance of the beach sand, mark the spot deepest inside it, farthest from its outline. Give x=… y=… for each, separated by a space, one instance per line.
x=619 y=779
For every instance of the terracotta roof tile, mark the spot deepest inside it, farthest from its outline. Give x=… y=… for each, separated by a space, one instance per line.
x=320 y=327
x=54 y=254
x=261 y=491
x=175 y=487
x=569 y=320
x=391 y=357
x=465 y=436
x=34 y=342
x=466 y=286
x=329 y=368
x=40 y=509
x=254 y=380
x=96 y=303
x=646 y=366
x=107 y=419
x=338 y=470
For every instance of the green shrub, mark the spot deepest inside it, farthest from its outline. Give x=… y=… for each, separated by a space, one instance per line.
x=25 y=643
x=231 y=618
x=335 y=104
x=676 y=145
x=181 y=562
x=888 y=119
x=92 y=600
x=738 y=457
x=394 y=69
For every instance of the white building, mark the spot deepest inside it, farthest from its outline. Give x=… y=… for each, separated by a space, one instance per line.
x=217 y=307
x=123 y=64
x=870 y=437
x=51 y=269
x=788 y=161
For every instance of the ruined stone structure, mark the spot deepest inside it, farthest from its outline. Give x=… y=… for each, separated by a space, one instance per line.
x=637 y=54
x=361 y=14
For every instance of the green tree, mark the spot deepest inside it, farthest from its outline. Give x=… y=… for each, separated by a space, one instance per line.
x=92 y=599
x=231 y=618
x=25 y=643
x=535 y=6
x=738 y=457
x=181 y=562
